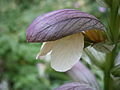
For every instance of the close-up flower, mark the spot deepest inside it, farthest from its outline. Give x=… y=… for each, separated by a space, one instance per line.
x=59 y=44
x=62 y=33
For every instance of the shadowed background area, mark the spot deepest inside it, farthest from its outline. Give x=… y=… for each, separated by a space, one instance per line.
x=19 y=70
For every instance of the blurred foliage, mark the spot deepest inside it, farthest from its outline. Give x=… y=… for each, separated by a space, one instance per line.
x=17 y=57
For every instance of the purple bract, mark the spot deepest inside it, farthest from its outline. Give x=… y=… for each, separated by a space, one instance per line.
x=61 y=23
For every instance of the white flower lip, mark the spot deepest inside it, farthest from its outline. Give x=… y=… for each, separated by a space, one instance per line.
x=65 y=52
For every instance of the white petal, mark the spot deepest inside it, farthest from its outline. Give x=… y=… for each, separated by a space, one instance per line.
x=66 y=52
x=45 y=49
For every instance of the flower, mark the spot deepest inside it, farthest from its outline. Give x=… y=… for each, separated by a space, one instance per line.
x=102 y=9
x=80 y=73
x=74 y=86
x=63 y=32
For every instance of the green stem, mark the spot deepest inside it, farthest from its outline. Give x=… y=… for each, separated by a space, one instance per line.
x=107 y=81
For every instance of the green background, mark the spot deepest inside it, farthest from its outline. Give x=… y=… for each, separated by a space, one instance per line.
x=18 y=66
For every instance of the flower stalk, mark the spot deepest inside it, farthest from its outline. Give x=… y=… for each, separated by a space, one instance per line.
x=107 y=81
x=114 y=36
x=114 y=20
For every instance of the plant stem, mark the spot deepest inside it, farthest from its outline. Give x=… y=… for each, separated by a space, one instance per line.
x=107 y=81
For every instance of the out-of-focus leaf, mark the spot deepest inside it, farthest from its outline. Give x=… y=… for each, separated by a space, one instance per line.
x=109 y=59
x=116 y=71
x=96 y=57
x=119 y=11
x=86 y=58
x=104 y=47
x=116 y=83
x=82 y=74
x=74 y=86
x=117 y=60
x=101 y=3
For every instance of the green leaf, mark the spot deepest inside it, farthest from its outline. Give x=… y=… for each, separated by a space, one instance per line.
x=102 y=3
x=104 y=47
x=96 y=57
x=116 y=71
x=119 y=11
x=117 y=60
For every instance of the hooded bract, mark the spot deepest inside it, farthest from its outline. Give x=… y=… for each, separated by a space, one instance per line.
x=61 y=23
